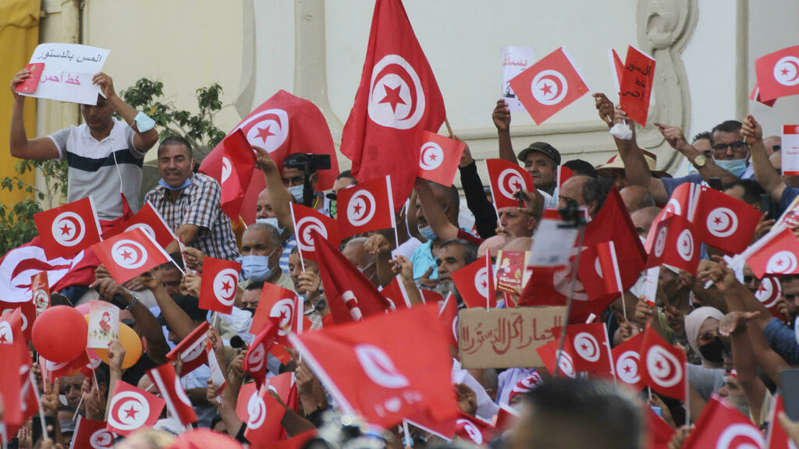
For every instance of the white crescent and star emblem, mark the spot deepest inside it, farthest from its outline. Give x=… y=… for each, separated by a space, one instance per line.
x=685 y=245
x=305 y=227
x=129 y=410
x=673 y=207
x=41 y=300
x=471 y=430
x=745 y=436
x=660 y=242
x=782 y=262
x=283 y=309
x=256 y=409
x=549 y=87
x=379 y=367
x=586 y=346
x=361 y=208
x=786 y=71
x=481 y=282
x=226 y=169
x=267 y=129
x=627 y=367
x=68 y=229
x=101 y=439
x=509 y=182
x=565 y=364
x=722 y=222
x=663 y=367
x=181 y=393
x=769 y=291
x=225 y=286
x=431 y=155
x=144 y=227
x=255 y=361
x=6 y=334
x=396 y=96
x=128 y=254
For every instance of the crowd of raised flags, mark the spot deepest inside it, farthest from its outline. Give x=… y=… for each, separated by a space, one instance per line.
x=384 y=358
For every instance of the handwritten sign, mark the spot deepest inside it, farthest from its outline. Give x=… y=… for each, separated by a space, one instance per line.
x=554 y=242
x=637 y=79
x=514 y=61
x=68 y=72
x=502 y=338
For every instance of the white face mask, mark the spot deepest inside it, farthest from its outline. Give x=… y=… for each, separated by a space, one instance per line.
x=270 y=221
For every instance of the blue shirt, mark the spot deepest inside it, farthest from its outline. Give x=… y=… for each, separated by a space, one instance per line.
x=782 y=340
x=422 y=259
x=672 y=183
x=788 y=195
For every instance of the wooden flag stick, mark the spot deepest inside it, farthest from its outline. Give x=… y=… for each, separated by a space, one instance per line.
x=449 y=128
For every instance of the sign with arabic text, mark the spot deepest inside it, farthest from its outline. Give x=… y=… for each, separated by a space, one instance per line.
x=68 y=72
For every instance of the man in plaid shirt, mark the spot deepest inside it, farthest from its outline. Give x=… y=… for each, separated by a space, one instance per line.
x=191 y=203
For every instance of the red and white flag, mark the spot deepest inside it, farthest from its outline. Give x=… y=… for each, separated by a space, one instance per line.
x=368 y=369
x=130 y=254
x=255 y=359
x=779 y=255
x=525 y=385
x=397 y=99
x=19 y=265
x=549 y=85
x=564 y=173
x=11 y=327
x=724 y=222
x=507 y=178
x=367 y=206
x=676 y=244
x=132 y=408
x=475 y=283
x=350 y=295
x=307 y=221
x=627 y=361
x=616 y=68
x=755 y=96
x=439 y=158
x=238 y=165
x=27 y=316
x=448 y=315
x=777 y=437
x=637 y=80
x=191 y=350
x=220 y=280
x=663 y=365
x=40 y=286
x=660 y=433
x=10 y=385
x=778 y=73
x=599 y=270
x=64 y=231
x=769 y=293
x=172 y=392
x=564 y=359
x=151 y=222
x=282 y=125
x=591 y=349
x=91 y=435
x=680 y=203
x=474 y=429
x=721 y=426
x=280 y=306
x=395 y=294
x=264 y=416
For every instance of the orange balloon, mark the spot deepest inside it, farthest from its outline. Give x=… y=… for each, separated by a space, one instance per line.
x=129 y=340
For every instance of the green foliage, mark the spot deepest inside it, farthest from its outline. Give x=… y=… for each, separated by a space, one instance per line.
x=198 y=128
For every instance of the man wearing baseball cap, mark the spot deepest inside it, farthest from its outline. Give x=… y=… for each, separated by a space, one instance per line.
x=540 y=159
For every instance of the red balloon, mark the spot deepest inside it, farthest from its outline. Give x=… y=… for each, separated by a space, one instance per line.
x=59 y=334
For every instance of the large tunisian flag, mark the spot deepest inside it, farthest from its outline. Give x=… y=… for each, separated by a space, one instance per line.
x=282 y=125
x=397 y=100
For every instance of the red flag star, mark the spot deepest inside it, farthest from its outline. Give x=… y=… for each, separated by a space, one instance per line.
x=392 y=97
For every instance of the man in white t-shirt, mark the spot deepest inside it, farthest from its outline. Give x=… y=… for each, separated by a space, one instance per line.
x=104 y=154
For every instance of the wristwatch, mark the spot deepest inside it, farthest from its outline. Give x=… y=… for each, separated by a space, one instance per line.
x=699 y=161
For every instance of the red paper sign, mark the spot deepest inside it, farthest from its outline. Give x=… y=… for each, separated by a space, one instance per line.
x=32 y=82
x=637 y=80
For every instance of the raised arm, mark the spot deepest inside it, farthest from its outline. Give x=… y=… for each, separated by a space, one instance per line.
x=501 y=118
x=36 y=149
x=484 y=213
x=279 y=195
x=765 y=173
x=143 y=141
x=434 y=213
x=708 y=168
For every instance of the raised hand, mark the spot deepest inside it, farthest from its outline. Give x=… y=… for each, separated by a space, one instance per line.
x=19 y=77
x=501 y=116
x=116 y=354
x=377 y=244
x=106 y=85
x=673 y=136
x=604 y=108
x=751 y=130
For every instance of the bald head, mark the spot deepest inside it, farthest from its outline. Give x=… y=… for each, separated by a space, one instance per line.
x=573 y=189
x=643 y=218
x=636 y=197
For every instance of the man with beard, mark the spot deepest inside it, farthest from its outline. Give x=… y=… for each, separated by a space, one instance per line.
x=452 y=256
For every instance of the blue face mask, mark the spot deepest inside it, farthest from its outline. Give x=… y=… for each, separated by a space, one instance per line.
x=185 y=184
x=255 y=268
x=272 y=222
x=735 y=166
x=428 y=233
x=297 y=193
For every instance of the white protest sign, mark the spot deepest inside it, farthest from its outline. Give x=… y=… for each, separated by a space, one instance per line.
x=514 y=61
x=68 y=72
x=553 y=241
x=790 y=150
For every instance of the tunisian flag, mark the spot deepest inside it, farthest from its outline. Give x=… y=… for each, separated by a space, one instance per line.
x=475 y=283
x=779 y=254
x=368 y=368
x=675 y=244
x=132 y=408
x=306 y=221
x=724 y=222
x=66 y=230
x=663 y=365
x=191 y=350
x=627 y=362
x=507 y=178
x=130 y=254
x=722 y=426
x=177 y=401
x=150 y=221
x=366 y=207
x=238 y=164
x=349 y=294
x=439 y=158
x=778 y=73
x=591 y=348
x=397 y=99
x=220 y=280
x=282 y=125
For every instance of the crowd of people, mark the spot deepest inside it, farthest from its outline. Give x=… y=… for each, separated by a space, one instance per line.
x=736 y=347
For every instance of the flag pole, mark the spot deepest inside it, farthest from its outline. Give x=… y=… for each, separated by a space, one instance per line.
x=449 y=128
x=580 y=224
x=32 y=379
x=687 y=396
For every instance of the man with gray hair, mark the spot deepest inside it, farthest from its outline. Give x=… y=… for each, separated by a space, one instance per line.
x=260 y=256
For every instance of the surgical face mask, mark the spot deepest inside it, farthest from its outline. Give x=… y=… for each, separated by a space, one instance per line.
x=185 y=184
x=427 y=232
x=735 y=166
x=713 y=351
x=270 y=221
x=255 y=268
x=297 y=193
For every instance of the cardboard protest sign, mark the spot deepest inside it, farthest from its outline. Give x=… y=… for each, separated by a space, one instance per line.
x=502 y=338
x=514 y=61
x=790 y=150
x=68 y=71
